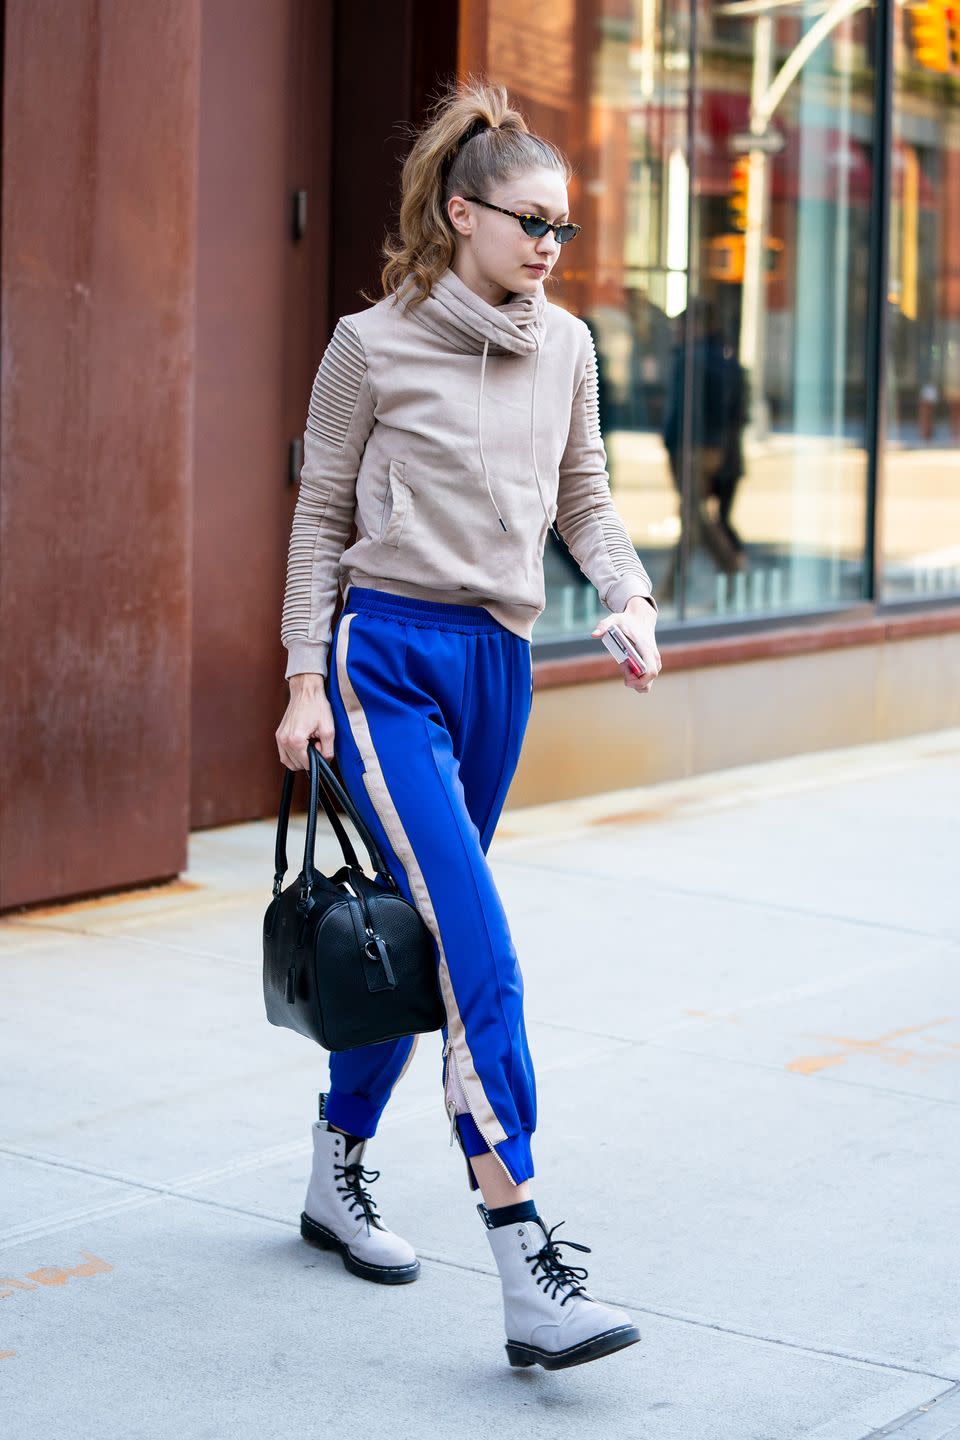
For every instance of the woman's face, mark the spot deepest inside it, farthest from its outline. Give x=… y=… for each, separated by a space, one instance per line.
x=494 y=254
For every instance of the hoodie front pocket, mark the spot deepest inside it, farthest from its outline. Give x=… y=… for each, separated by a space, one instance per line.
x=397 y=503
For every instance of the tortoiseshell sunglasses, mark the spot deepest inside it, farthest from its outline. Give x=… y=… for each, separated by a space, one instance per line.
x=534 y=225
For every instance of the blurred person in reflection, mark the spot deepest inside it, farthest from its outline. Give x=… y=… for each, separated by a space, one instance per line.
x=451 y=422
x=651 y=357
x=719 y=410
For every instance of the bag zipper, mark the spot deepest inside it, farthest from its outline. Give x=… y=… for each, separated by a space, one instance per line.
x=450 y=1054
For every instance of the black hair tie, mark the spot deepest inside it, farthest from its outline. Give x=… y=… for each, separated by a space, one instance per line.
x=475 y=129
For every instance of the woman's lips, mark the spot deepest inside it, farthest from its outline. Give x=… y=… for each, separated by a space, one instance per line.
x=540 y=269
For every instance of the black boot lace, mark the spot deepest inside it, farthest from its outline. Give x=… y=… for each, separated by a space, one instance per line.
x=554 y=1271
x=355 y=1177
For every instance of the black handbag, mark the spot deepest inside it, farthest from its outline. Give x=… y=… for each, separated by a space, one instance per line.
x=346 y=961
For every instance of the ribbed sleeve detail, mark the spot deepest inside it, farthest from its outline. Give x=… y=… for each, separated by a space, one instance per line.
x=590 y=524
x=339 y=419
x=301 y=558
x=592 y=395
x=335 y=390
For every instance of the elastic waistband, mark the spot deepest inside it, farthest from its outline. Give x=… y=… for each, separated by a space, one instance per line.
x=437 y=614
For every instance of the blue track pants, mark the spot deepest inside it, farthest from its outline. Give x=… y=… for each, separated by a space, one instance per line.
x=430 y=702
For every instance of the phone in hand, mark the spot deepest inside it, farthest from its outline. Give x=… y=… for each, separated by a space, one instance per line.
x=622 y=648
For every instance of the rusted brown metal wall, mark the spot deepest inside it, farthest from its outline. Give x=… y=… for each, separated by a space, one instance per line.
x=262 y=323
x=100 y=104
x=162 y=324
x=296 y=96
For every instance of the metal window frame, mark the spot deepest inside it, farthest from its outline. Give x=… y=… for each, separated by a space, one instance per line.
x=689 y=325
x=877 y=304
x=680 y=632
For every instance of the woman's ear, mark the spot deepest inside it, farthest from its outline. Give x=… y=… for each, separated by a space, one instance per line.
x=460 y=217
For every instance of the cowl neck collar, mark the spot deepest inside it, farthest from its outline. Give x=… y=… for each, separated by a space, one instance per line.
x=470 y=324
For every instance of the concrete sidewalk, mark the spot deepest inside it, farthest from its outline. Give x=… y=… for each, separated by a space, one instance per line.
x=744 y=1006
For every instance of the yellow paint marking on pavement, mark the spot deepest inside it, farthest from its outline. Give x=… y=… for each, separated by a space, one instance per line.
x=810 y=1064
x=882 y=1048
x=645 y=816
x=54 y=1275
x=14 y=1285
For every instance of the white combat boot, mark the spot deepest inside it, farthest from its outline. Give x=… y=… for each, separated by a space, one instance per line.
x=340 y=1215
x=550 y=1318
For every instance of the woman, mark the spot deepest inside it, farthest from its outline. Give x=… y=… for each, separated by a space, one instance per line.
x=452 y=421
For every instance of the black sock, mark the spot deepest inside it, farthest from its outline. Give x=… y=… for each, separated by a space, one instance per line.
x=508 y=1214
x=350 y=1140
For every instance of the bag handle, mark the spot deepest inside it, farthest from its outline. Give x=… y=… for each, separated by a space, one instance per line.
x=377 y=861
x=319 y=793
x=280 y=857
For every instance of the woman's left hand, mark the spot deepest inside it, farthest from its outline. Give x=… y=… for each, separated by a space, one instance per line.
x=638 y=623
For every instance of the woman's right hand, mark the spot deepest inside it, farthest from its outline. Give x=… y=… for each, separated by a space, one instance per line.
x=308 y=718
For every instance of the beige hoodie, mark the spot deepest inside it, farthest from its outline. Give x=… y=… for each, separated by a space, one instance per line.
x=452 y=434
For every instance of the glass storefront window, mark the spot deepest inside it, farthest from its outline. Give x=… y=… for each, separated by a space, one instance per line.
x=776 y=459
x=725 y=178
x=920 y=514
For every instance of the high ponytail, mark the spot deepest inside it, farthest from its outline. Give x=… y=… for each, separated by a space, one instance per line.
x=472 y=140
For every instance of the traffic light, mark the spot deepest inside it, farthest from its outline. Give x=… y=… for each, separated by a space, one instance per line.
x=934 y=29
x=726 y=258
x=739 y=192
x=953 y=37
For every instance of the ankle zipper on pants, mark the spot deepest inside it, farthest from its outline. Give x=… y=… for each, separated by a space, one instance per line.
x=451 y=1109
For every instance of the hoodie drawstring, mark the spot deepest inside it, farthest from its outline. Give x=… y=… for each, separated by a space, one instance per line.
x=533 y=447
x=483 y=463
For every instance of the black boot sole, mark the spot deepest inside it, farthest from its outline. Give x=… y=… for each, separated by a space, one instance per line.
x=521 y=1356
x=317 y=1235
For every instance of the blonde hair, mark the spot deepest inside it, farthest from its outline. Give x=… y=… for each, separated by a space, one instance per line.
x=445 y=160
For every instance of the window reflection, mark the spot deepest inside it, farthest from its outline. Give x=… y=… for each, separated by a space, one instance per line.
x=784 y=189
x=724 y=273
